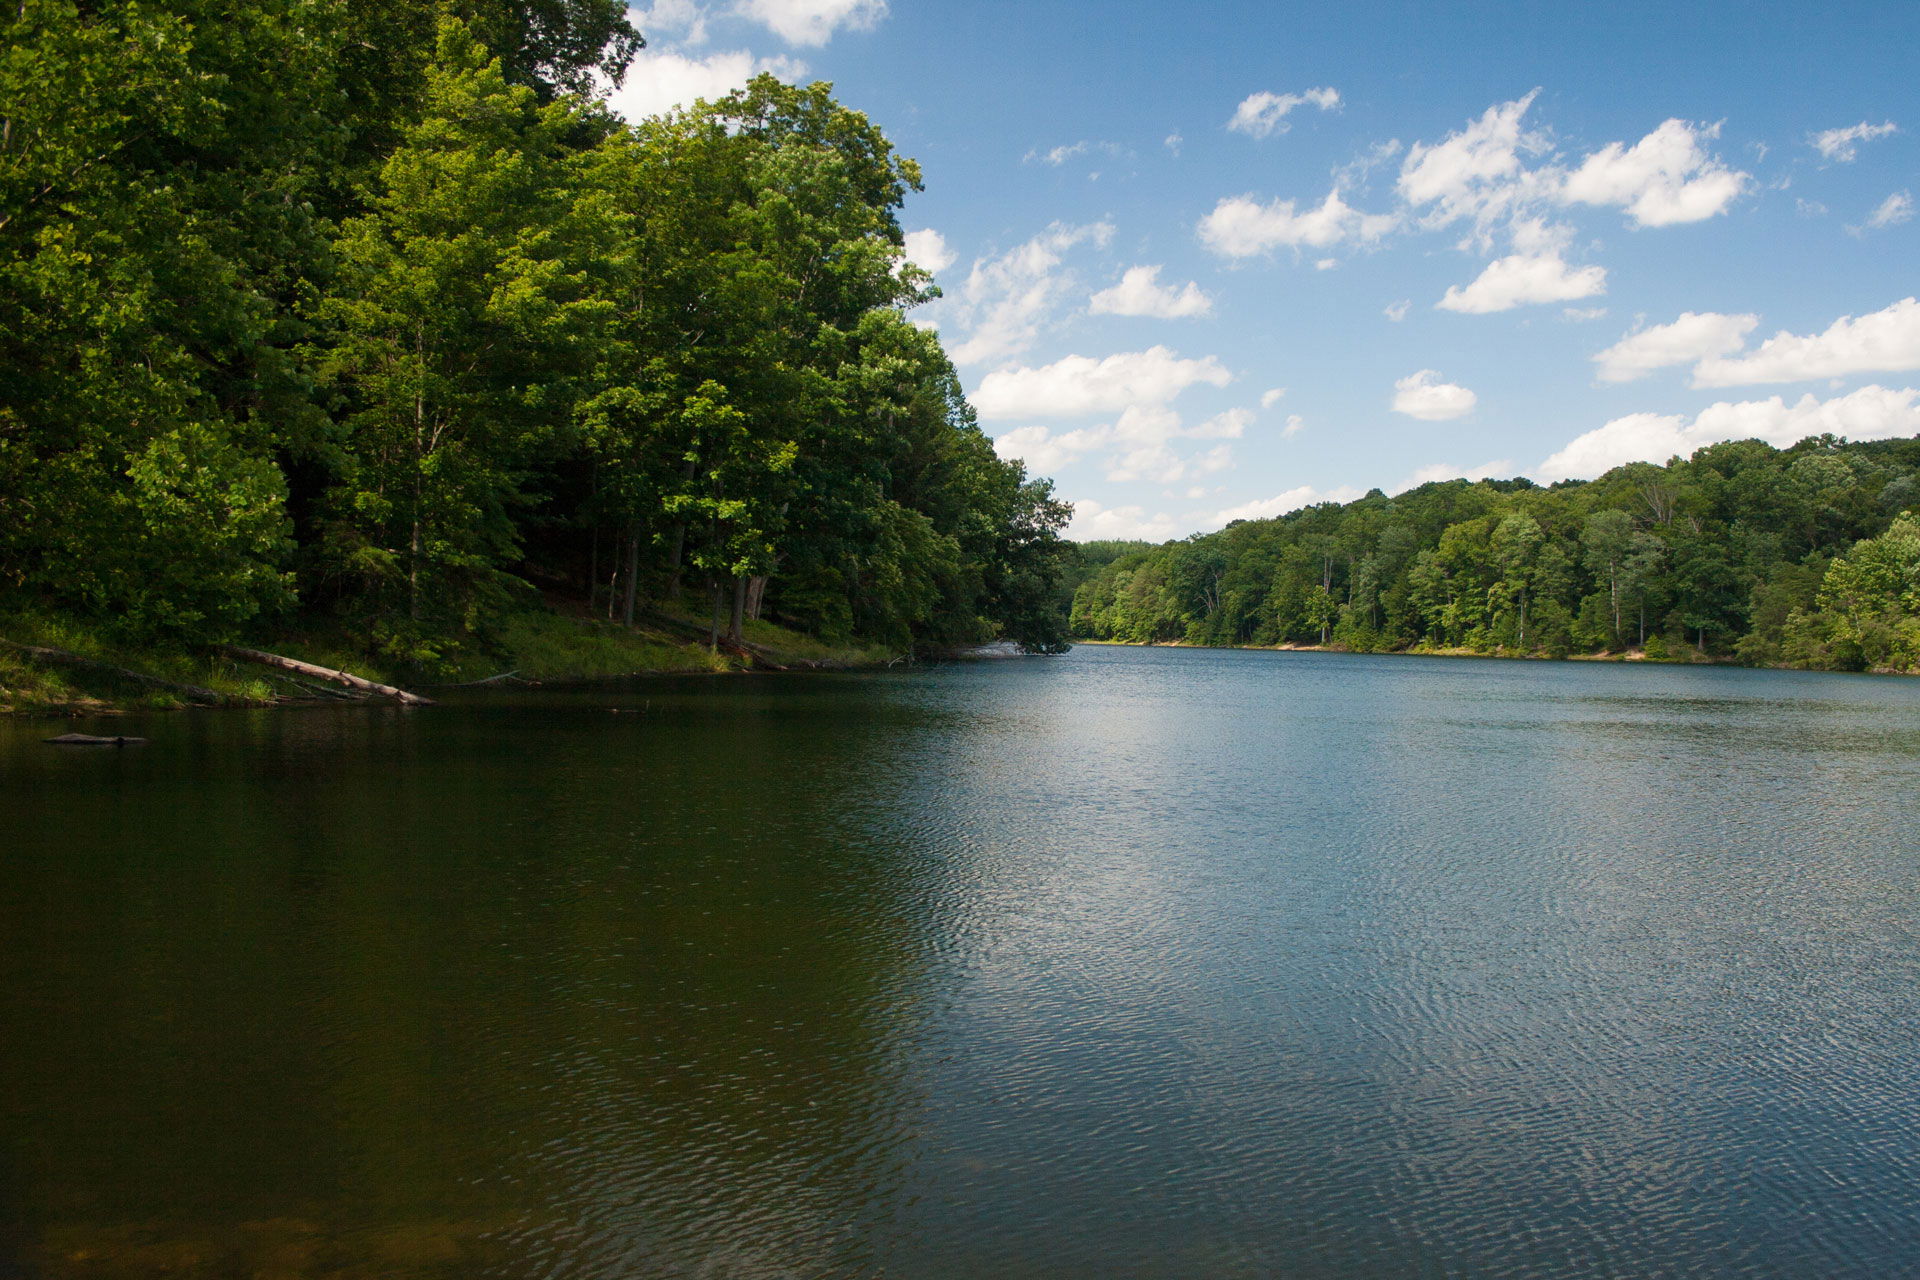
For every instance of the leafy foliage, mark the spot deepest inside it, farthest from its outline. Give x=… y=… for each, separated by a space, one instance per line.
x=1742 y=551
x=375 y=311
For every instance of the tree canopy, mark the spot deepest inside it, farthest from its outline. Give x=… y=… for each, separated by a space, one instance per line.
x=376 y=311
x=1742 y=551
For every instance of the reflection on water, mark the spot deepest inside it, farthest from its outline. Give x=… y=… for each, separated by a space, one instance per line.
x=1141 y=963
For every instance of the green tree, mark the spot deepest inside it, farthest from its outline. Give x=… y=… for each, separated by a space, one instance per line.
x=460 y=335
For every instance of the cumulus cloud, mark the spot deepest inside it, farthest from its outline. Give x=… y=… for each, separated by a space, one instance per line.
x=1842 y=145
x=1242 y=227
x=1884 y=342
x=1523 y=279
x=813 y=22
x=1134 y=381
x=1262 y=115
x=1871 y=413
x=1092 y=521
x=1045 y=451
x=1272 y=396
x=1281 y=504
x=683 y=20
x=1665 y=178
x=659 y=81
x=1397 y=311
x=1006 y=299
x=1140 y=293
x=1230 y=425
x=1695 y=336
x=927 y=249
x=1448 y=471
x=1476 y=173
x=1894 y=210
x=1295 y=425
x=1422 y=395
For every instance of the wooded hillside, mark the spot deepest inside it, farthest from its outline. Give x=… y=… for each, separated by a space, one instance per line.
x=373 y=311
x=1743 y=551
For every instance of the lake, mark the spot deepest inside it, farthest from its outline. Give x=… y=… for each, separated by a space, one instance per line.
x=1130 y=963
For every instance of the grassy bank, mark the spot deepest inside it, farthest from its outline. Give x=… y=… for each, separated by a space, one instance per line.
x=537 y=646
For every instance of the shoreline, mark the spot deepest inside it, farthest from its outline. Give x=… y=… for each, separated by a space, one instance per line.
x=1635 y=656
x=53 y=668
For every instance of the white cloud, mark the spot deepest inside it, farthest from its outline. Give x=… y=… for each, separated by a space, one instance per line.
x=1241 y=227
x=1295 y=425
x=1894 y=210
x=1422 y=395
x=1842 y=145
x=1397 y=311
x=927 y=249
x=1884 y=342
x=1272 y=396
x=1045 y=452
x=1871 y=413
x=1522 y=279
x=1005 y=300
x=1580 y=315
x=1058 y=156
x=1476 y=173
x=1139 y=293
x=1809 y=208
x=1263 y=114
x=1665 y=178
x=1134 y=381
x=1695 y=336
x=813 y=22
x=660 y=81
x=1281 y=504
x=1230 y=425
x=1449 y=471
x=1092 y=521
x=684 y=20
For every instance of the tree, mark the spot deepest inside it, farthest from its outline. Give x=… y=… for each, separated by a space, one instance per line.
x=460 y=336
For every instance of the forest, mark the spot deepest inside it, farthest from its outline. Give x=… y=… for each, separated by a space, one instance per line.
x=1807 y=556
x=371 y=318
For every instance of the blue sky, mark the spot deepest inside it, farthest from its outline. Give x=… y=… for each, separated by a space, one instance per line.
x=1217 y=261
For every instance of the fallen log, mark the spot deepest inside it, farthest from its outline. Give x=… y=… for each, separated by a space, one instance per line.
x=61 y=657
x=89 y=740
x=345 y=678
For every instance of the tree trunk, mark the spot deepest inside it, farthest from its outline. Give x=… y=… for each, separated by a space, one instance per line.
x=713 y=633
x=736 y=630
x=676 y=549
x=593 y=573
x=633 y=576
x=756 y=595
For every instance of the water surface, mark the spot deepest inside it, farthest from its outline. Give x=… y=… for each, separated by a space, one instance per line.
x=1134 y=963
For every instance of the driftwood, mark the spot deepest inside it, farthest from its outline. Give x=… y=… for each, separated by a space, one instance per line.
x=344 y=678
x=88 y=740
x=191 y=692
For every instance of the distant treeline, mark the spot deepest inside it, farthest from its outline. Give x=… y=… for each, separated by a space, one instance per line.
x=1808 y=556
x=372 y=309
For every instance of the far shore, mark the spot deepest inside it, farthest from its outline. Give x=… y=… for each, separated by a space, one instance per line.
x=1689 y=658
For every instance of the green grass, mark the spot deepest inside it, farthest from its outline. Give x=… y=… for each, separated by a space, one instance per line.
x=537 y=644
x=550 y=646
